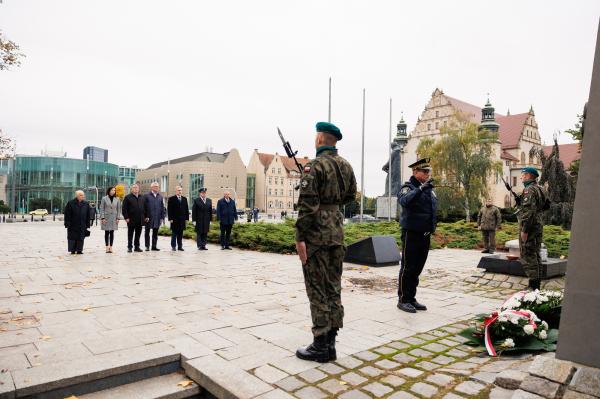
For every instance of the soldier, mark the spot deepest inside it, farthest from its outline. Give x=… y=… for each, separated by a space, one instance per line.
x=488 y=221
x=327 y=182
x=531 y=226
x=418 y=221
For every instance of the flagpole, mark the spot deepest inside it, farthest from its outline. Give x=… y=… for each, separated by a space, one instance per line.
x=390 y=168
x=362 y=163
x=329 y=110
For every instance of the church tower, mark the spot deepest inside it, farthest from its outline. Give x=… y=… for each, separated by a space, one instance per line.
x=488 y=119
x=401 y=137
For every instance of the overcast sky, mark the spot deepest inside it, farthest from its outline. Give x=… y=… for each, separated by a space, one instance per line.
x=152 y=80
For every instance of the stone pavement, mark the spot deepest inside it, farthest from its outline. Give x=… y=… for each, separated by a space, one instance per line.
x=240 y=311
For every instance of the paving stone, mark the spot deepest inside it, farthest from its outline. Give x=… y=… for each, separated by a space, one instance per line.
x=510 y=379
x=501 y=393
x=427 y=337
x=385 y=350
x=275 y=394
x=410 y=372
x=425 y=390
x=552 y=369
x=451 y=395
x=540 y=386
x=425 y=365
x=354 y=394
x=455 y=371
x=469 y=387
x=371 y=371
x=189 y=347
x=478 y=360
x=441 y=359
x=7 y=387
x=435 y=347
x=333 y=386
x=353 y=378
x=312 y=375
x=586 y=380
x=393 y=380
x=378 y=390
x=462 y=366
x=404 y=358
x=310 y=393
x=414 y=341
x=401 y=395
x=498 y=366
x=441 y=380
x=331 y=368
x=387 y=364
x=456 y=353
x=269 y=374
x=485 y=377
x=367 y=356
x=349 y=362
x=420 y=353
x=399 y=345
x=459 y=339
x=569 y=394
x=520 y=394
x=290 y=384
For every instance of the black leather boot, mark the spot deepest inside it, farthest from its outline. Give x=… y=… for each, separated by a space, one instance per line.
x=331 y=343
x=535 y=283
x=318 y=351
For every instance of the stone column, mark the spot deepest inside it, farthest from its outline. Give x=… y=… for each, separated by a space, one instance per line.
x=580 y=321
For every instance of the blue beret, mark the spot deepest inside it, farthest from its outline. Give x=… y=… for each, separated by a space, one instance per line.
x=531 y=170
x=326 y=127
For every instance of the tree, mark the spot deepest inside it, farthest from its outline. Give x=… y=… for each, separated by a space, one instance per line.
x=577 y=134
x=7 y=146
x=9 y=53
x=3 y=207
x=462 y=159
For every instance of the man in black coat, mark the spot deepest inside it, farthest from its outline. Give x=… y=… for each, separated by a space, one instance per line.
x=227 y=215
x=201 y=216
x=178 y=213
x=134 y=213
x=77 y=221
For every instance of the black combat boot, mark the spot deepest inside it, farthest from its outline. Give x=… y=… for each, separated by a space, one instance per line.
x=318 y=351
x=331 y=342
x=535 y=283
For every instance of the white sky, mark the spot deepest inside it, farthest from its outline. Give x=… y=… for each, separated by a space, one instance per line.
x=152 y=79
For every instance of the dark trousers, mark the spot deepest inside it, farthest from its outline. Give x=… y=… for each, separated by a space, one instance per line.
x=131 y=241
x=147 y=236
x=489 y=240
x=225 y=234
x=415 y=247
x=201 y=239
x=75 y=245
x=177 y=239
x=109 y=236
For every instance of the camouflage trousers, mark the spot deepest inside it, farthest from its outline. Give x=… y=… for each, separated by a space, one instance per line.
x=530 y=253
x=323 y=280
x=489 y=239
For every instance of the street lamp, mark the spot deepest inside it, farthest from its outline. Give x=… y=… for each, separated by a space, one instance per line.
x=51 y=186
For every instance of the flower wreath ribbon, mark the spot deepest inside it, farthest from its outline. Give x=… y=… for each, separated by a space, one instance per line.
x=492 y=319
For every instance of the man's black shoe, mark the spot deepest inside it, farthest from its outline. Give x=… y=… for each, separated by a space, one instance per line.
x=129 y=250
x=138 y=250
x=318 y=351
x=204 y=249
x=222 y=248
x=535 y=283
x=79 y=253
x=419 y=306
x=229 y=248
x=155 y=249
x=485 y=251
x=147 y=249
x=180 y=249
x=173 y=249
x=331 y=343
x=407 y=307
x=72 y=252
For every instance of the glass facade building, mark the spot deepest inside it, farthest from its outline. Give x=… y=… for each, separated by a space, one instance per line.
x=39 y=177
x=127 y=175
x=250 y=190
x=95 y=154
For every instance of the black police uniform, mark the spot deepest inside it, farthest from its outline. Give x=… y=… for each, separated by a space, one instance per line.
x=418 y=221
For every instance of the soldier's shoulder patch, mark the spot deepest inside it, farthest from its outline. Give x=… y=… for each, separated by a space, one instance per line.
x=404 y=190
x=526 y=191
x=304 y=183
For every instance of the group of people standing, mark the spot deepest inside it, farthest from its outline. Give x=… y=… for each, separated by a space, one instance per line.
x=148 y=212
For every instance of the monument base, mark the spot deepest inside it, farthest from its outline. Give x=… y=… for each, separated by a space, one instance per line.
x=383 y=208
x=374 y=251
x=500 y=264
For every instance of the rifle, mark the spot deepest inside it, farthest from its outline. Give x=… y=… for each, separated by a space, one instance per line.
x=509 y=188
x=288 y=150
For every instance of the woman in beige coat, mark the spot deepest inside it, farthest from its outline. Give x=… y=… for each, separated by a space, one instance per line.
x=110 y=213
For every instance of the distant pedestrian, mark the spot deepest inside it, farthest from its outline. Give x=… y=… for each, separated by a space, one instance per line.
x=92 y=212
x=201 y=216
x=110 y=214
x=255 y=214
x=489 y=220
x=178 y=213
x=77 y=222
x=155 y=212
x=227 y=215
x=134 y=213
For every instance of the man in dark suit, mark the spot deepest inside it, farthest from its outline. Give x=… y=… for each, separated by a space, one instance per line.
x=178 y=213
x=227 y=215
x=134 y=213
x=201 y=215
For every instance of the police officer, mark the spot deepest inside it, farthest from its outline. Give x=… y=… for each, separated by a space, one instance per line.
x=531 y=226
x=327 y=182
x=418 y=221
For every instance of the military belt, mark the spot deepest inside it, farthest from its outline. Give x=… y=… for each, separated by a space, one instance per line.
x=329 y=207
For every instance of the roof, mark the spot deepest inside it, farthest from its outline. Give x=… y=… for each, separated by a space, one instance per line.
x=511 y=126
x=506 y=155
x=265 y=159
x=567 y=153
x=290 y=165
x=200 y=157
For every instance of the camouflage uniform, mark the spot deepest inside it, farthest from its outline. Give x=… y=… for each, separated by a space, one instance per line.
x=327 y=182
x=533 y=200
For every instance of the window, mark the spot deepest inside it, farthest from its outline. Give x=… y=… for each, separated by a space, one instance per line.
x=436 y=125
x=437 y=114
x=514 y=181
x=290 y=194
x=270 y=204
x=269 y=191
x=270 y=180
x=196 y=183
x=522 y=158
x=445 y=123
x=278 y=171
x=507 y=163
x=429 y=126
x=531 y=161
x=273 y=170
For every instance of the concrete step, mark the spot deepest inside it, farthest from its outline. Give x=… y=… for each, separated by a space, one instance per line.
x=162 y=387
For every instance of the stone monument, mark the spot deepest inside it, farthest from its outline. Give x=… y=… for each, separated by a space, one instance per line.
x=580 y=320
x=393 y=168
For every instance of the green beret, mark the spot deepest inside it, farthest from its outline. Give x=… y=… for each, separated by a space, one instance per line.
x=531 y=170
x=326 y=127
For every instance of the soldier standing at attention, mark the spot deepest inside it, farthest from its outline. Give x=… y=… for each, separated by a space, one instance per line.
x=531 y=225
x=327 y=182
x=489 y=220
x=418 y=221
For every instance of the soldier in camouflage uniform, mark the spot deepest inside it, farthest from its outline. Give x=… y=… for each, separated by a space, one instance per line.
x=327 y=182
x=531 y=225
